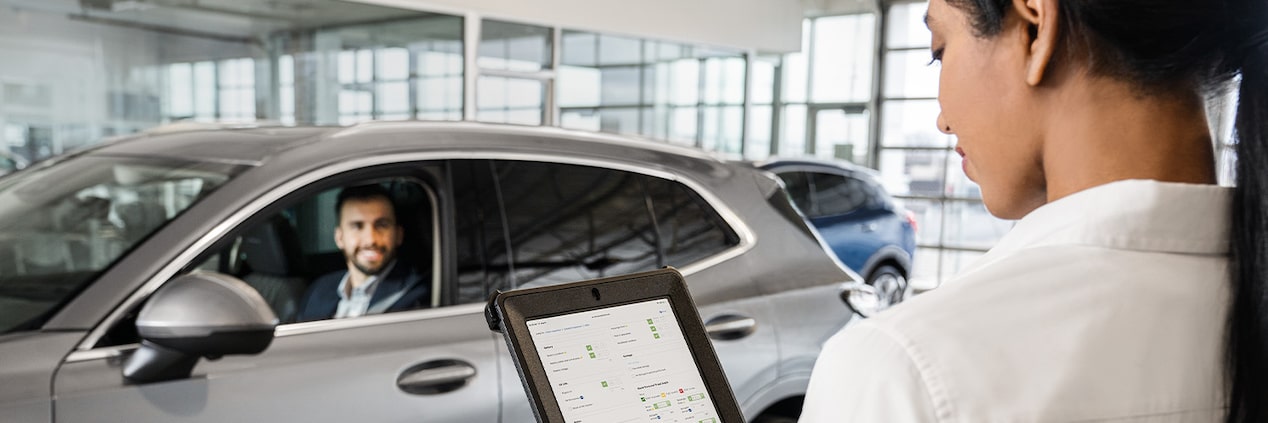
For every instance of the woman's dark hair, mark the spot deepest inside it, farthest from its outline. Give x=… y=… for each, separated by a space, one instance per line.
x=1161 y=46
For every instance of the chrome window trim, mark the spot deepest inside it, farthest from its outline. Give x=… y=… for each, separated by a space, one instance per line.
x=745 y=234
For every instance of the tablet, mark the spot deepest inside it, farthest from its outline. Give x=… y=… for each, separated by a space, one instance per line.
x=620 y=349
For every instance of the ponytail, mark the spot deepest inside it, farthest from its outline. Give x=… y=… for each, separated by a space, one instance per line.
x=1247 y=350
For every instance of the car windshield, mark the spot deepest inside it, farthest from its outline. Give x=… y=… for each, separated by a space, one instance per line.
x=63 y=224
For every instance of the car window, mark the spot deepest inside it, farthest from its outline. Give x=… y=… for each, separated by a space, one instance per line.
x=836 y=194
x=798 y=186
x=291 y=258
x=531 y=223
x=61 y=225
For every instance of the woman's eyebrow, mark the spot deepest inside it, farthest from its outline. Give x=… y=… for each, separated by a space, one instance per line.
x=928 y=21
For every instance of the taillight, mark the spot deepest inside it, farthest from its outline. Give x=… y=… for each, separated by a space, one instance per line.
x=911 y=219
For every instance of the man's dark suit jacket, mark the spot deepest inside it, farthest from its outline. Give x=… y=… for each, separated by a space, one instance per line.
x=322 y=299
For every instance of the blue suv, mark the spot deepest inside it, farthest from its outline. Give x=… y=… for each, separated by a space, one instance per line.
x=858 y=220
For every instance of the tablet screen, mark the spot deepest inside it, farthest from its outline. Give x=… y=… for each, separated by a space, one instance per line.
x=628 y=363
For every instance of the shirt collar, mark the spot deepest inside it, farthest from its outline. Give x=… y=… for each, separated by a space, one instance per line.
x=367 y=288
x=1141 y=215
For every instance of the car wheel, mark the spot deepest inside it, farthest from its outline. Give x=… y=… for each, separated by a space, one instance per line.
x=890 y=284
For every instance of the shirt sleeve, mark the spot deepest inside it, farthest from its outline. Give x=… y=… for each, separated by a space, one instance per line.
x=864 y=375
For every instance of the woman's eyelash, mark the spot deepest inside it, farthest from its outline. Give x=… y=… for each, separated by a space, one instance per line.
x=937 y=57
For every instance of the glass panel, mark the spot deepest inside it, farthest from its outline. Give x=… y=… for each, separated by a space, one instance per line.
x=732 y=90
x=683 y=125
x=732 y=123
x=615 y=50
x=578 y=49
x=514 y=47
x=796 y=70
x=970 y=225
x=792 y=142
x=909 y=74
x=180 y=101
x=509 y=100
x=583 y=119
x=684 y=82
x=914 y=172
x=307 y=60
x=579 y=87
x=620 y=86
x=928 y=219
x=912 y=123
x=709 y=128
x=841 y=135
x=205 y=91
x=440 y=95
x=906 y=26
x=757 y=146
x=924 y=268
x=619 y=121
x=843 y=57
x=763 y=89
x=392 y=97
x=393 y=63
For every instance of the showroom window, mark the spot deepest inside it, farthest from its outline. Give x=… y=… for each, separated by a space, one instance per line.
x=917 y=162
x=826 y=88
x=515 y=62
x=684 y=94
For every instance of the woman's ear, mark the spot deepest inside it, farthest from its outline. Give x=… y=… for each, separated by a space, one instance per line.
x=1042 y=30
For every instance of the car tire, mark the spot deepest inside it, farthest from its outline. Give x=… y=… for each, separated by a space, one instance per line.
x=890 y=285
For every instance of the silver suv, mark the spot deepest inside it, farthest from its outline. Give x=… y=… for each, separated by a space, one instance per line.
x=91 y=243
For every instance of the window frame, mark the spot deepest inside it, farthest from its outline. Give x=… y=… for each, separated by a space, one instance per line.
x=361 y=168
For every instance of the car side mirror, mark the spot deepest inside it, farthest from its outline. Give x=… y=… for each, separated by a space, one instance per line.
x=202 y=314
x=862 y=298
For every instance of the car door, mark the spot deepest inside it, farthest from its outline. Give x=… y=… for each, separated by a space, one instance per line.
x=435 y=364
x=544 y=223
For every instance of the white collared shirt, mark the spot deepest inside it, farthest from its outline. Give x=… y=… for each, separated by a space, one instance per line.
x=356 y=304
x=1108 y=305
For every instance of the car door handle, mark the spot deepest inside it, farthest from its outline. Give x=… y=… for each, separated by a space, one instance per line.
x=435 y=377
x=869 y=227
x=730 y=327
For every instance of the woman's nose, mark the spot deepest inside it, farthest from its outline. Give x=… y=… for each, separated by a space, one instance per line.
x=943 y=126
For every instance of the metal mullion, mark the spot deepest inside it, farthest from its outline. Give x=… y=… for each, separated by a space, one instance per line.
x=887 y=99
x=904 y=148
x=878 y=86
x=937 y=198
x=776 y=108
x=902 y=49
x=953 y=248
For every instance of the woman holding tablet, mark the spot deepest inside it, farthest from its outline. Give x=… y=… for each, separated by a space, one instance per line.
x=1132 y=288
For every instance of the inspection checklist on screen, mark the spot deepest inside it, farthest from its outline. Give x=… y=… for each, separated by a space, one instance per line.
x=628 y=363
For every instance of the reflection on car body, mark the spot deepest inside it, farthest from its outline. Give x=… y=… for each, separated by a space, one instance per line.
x=483 y=208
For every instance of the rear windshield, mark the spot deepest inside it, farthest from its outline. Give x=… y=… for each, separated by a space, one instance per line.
x=61 y=225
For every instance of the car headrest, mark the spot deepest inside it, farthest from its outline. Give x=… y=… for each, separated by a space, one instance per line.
x=271 y=247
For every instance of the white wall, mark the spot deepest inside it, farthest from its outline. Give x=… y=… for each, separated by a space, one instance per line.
x=772 y=26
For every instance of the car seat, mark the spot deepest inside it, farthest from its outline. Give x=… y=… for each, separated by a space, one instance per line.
x=271 y=251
